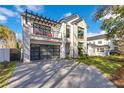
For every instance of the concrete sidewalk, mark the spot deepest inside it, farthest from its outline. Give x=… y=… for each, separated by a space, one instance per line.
x=57 y=73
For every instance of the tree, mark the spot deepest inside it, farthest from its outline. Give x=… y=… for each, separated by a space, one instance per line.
x=113 y=23
x=7 y=37
x=3 y=35
x=19 y=44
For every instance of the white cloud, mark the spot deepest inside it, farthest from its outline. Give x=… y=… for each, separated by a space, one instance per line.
x=19 y=8
x=8 y=12
x=3 y=19
x=89 y=34
x=35 y=8
x=67 y=14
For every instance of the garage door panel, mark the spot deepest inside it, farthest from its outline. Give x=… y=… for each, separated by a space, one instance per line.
x=39 y=52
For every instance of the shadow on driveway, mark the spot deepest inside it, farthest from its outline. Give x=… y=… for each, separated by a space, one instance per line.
x=57 y=73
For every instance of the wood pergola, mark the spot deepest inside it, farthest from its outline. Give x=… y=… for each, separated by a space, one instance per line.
x=35 y=17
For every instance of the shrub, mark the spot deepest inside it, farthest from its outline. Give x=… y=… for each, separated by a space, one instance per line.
x=5 y=64
x=84 y=56
x=85 y=59
x=67 y=57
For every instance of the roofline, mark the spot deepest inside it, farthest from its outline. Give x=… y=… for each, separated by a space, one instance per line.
x=96 y=37
x=66 y=19
x=76 y=21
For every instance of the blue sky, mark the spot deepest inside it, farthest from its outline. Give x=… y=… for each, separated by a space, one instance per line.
x=10 y=15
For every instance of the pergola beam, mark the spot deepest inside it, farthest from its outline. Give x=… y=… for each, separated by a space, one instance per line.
x=39 y=18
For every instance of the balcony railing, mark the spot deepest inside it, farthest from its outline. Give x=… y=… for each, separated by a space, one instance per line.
x=47 y=34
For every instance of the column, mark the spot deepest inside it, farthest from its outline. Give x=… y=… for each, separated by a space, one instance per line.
x=26 y=40
x=62 y=46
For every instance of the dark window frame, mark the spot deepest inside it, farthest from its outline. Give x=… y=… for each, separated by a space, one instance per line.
x=67 y=31
x=39 y=29
x=100 y=42
x=80 y=30
x=39 y=51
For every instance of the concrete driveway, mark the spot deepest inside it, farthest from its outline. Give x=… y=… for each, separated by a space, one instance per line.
x=57 y=73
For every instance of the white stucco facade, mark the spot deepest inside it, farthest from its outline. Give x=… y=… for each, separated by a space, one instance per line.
x=73 y=40
x=60 y=39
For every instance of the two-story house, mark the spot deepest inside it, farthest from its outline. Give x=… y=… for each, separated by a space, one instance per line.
x=99 y=45
x=44 y=38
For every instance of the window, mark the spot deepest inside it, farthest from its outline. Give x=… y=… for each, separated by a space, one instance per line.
x=67 y=31
x=80 y=48
x=41 y=30
x=80 y=45
x=101 y=49
x=99 y=42
x=67 y=49
x=80 y=32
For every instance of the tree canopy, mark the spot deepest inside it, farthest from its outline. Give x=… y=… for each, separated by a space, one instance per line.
x=7 y=37
x=113 y=22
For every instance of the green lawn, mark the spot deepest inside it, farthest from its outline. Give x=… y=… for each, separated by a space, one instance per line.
x=6 y=70
x=107 y=65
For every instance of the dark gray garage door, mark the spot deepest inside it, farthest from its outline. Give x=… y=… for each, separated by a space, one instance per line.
x=39 y=52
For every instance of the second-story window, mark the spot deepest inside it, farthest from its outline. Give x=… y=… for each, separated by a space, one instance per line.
x=80 y=32
x=80 y=44
x=99 y=42
x=41 y=29
x=67 y=31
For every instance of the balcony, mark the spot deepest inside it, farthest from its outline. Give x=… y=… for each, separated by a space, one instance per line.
x=50 y=36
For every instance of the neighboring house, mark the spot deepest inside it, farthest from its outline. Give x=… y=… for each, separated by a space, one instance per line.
x=44 y=38
x=99 y=45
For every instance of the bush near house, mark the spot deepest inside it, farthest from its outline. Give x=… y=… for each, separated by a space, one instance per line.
x=111 y=66
x=6 y=70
